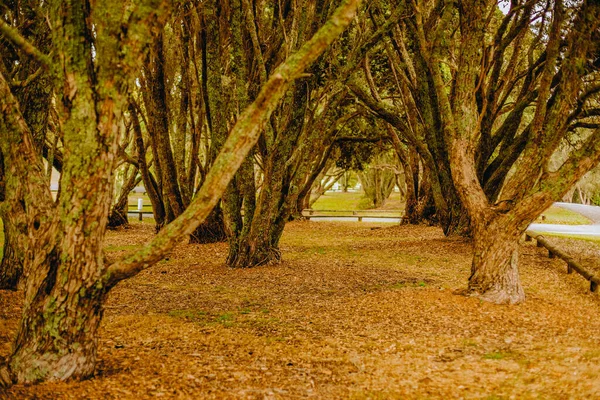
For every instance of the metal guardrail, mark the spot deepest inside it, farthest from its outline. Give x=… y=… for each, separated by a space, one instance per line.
x=572 y=264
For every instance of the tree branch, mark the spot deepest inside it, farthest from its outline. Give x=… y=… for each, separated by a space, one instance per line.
x=19 y=41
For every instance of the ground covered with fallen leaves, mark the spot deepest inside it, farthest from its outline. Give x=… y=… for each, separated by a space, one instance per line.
x=356 y=310
x=585 y=252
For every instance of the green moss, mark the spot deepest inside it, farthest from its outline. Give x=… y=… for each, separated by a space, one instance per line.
x=496 y=355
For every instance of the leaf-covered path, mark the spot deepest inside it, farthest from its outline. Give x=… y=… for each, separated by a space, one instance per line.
x=353 y=312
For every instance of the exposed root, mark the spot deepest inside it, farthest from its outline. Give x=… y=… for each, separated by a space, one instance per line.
x=6 y=380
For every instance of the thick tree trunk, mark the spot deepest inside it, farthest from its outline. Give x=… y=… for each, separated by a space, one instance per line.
x=494 y=272
x=57 y=336
x=211 y=230
x=260 y=247
x=257 y=241
x=11 y=267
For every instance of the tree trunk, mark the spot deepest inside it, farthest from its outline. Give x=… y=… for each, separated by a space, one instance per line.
x=494 y=272
x=256 y=242
x=211 y=230
x=118 y=214
x=152 y=188
x=259 y=247
x=11 y=267
x=57 y=336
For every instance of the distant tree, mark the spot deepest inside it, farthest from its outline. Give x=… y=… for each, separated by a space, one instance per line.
x=378 y=179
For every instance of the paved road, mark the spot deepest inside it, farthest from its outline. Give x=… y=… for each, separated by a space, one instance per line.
x=591 y=212
x=574 y=230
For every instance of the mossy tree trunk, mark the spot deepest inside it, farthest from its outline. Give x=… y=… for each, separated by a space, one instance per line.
x=31 y=86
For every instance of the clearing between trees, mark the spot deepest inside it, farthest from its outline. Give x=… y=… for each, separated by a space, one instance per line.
x=354 y=311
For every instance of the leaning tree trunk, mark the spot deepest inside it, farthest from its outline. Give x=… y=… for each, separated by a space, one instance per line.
x=494 y=272
x=118 y=213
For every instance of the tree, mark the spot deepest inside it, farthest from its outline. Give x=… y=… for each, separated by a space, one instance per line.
x=378 y=179
x=31 y=86
x=295 y=144
x=68 y=276
x=503 y=91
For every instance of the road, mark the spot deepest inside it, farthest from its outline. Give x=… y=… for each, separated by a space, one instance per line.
x=590 y=212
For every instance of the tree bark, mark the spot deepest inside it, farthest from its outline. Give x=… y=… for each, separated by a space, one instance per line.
x=11 y=267
x=494 y=271
x=118 y=214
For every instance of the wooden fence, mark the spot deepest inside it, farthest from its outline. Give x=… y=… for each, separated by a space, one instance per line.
x=572 y=264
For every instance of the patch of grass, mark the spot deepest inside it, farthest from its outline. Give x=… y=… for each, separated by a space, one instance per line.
x=339 y=201
x=194 y=315
x=354 y=201
x=559 y=215
x=401 y=285
x=226 y=319
x=496 y=355
x=588 y=238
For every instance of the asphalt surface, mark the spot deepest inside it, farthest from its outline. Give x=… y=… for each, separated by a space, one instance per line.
x=590 y=212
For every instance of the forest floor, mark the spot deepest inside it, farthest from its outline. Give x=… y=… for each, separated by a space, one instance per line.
x=356 y=310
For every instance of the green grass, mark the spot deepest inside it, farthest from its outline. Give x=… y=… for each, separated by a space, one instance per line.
x=559 y=215
x=194 y=315
x=354 y=201
x=496 y=355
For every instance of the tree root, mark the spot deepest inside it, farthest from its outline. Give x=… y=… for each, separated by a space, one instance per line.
x=6 y=379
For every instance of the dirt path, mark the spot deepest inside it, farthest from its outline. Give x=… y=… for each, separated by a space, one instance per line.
x=353 y=312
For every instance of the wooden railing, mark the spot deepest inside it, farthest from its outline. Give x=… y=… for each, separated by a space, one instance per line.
x=359 y=215
x=572 y=264
x=310 y=213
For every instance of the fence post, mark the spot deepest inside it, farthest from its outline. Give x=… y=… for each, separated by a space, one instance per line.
x=141 y=208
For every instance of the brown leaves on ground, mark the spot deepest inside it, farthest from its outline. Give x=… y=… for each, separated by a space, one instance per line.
x=352 y=312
